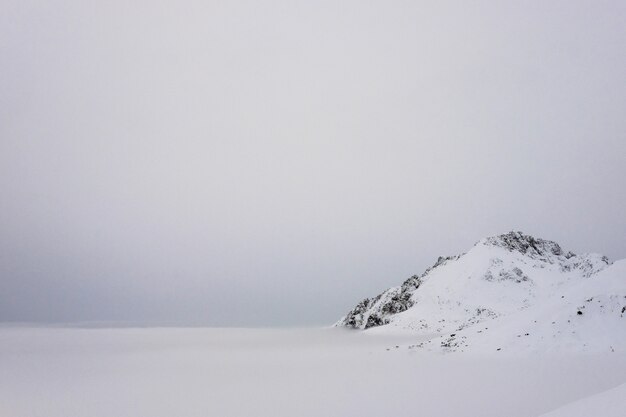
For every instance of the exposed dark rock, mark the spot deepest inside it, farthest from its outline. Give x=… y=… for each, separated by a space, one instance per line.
x=515 y=274
x=374 y=320
x=356 y=317
x=528 y=245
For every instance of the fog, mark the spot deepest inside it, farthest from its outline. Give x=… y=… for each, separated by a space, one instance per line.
x=271 y=163
x=285 y=372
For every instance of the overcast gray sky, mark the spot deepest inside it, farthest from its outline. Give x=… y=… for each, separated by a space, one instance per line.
x=271 y=163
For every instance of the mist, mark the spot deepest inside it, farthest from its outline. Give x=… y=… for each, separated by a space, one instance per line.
x=270 y=163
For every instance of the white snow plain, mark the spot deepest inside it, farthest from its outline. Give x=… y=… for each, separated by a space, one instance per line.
x=606 y=404
x=188 y=372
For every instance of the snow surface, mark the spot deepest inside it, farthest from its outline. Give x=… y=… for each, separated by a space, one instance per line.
x=188 y=372
x=611 y=403
x=508 y=293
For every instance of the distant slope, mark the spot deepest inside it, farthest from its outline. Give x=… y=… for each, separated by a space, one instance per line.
x=511 y=291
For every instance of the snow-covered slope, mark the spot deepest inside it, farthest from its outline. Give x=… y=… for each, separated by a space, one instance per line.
x=511 y=291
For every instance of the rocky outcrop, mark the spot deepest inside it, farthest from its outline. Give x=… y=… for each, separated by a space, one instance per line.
x=376 y=311
x=528 y=245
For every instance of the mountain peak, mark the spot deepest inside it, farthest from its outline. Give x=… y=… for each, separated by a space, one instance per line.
x=512 y=276
x=526 y=244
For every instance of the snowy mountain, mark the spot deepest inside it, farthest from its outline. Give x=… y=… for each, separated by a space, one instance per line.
x=508 y=292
